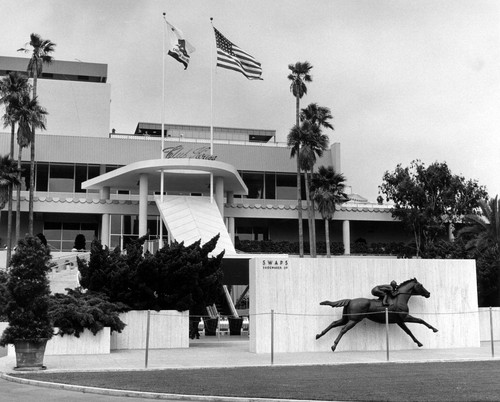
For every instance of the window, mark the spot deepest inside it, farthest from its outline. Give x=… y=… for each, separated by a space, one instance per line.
x=286 y=186
x=61 y=178
x=61 y=235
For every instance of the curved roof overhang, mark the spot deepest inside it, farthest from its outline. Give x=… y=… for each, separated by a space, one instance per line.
x=181 y=175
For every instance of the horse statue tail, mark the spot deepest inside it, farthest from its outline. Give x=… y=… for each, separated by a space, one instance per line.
x=338 y=303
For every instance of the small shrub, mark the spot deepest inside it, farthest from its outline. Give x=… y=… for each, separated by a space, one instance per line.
x=75 y=311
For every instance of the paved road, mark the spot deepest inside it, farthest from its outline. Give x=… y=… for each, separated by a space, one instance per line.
x=15 y=392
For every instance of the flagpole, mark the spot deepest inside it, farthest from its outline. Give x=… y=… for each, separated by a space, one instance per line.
x=211 y=116
x=162 y=156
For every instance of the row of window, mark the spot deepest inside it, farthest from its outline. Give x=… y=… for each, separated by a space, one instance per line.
x=66 y=178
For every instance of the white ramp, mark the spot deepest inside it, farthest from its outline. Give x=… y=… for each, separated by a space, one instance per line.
x=190 y=219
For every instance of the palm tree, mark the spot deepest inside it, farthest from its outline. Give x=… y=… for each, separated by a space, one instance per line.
x=318 y=118
x=314 y=143
x=12 y=87
x=484 y=228
x=41 y=54
x=298 y=76
x=483 y=235
x=327 y=189
x=29 y=115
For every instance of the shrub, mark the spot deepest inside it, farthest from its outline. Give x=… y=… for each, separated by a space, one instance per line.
x=76 y=311
x=176 y=277
x=28 y=293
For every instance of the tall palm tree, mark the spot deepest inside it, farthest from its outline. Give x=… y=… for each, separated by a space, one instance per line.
x=314 y=144
x=12 y=87
x=29 y=115
x=327 y=189
x=299 y=76
x=41 y=54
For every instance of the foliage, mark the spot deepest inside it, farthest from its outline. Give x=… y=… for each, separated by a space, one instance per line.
x=76 y=311
x=8 y=178
x=482 y=236
x=283 y=247
x=177 y=277
x=4 y=295
x=28 y=293
x=426 y=199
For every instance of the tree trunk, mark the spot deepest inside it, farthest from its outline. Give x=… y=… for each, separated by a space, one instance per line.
x=32 y=166
x=18 y=195
x=312 y=242
x=299 y=192
x=327 y=238
x=313 y=220
x=11 y=190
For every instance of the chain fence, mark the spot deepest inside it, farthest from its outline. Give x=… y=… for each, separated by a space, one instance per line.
x=489 y=320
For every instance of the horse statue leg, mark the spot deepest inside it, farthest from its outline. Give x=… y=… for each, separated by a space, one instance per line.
x=334 y=324
x=416 y=320
x=350 y=324
x=403 y=326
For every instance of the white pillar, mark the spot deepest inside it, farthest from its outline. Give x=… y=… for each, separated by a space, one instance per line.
x=346 y=237
x=143 y=204
x=105 y=194
x=219 y=194
x=230 y=220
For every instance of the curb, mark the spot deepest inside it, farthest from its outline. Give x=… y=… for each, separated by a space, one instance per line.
x=140 y=394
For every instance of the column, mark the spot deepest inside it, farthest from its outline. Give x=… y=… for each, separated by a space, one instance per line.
x=143 y=204
x=219 y=194
x=105 y=193
x=346 y=237
x=230 y=220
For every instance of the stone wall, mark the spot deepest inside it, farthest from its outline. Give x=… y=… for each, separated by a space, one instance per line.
x=168 y=329
x=294 y=287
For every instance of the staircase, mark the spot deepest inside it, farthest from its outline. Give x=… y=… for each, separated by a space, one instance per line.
x=190 y=219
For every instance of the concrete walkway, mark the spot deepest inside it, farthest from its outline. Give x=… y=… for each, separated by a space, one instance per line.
x=207 y=352
x=229 y=351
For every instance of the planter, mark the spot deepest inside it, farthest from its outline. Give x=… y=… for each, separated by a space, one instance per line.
x=235 y=325
x=29 y=354
x=211 y=326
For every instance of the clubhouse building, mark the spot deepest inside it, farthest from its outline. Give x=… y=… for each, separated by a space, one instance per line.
x=118 y=186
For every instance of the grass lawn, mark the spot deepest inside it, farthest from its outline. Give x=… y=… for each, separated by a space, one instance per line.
x=456 y=381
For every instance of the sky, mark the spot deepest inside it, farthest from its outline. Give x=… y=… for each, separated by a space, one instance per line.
x=404 y=79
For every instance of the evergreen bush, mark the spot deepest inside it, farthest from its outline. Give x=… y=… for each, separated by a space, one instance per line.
x=76 y=311
x=28 y=293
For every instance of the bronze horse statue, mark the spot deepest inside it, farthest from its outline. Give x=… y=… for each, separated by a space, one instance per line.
x=356 y=310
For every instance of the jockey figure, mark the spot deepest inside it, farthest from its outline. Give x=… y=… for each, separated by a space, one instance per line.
x=383 y=292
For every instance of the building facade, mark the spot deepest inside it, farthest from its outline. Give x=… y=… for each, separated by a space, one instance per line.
x=76 y=152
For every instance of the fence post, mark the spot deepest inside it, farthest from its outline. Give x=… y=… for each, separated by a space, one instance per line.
x=272 y=337
x=147 y=339
x=387 y=332
x=491 y=334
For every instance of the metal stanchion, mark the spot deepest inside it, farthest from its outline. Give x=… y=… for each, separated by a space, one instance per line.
x=491 y=334
x=387 y=332
x=272 y=337
x=147 y=339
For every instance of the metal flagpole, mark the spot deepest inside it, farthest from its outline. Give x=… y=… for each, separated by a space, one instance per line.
x=162 y=156
x=211 y=117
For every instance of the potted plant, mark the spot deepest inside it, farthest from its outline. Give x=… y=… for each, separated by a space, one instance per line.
x=235 y=324
x=27 y=308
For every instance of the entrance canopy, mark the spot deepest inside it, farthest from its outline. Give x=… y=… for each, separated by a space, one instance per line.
x=187 y=175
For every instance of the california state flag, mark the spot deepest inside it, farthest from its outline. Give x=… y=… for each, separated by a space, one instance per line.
x=180 y=48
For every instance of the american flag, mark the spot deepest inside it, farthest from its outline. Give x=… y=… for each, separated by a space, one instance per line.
x=232 y=57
